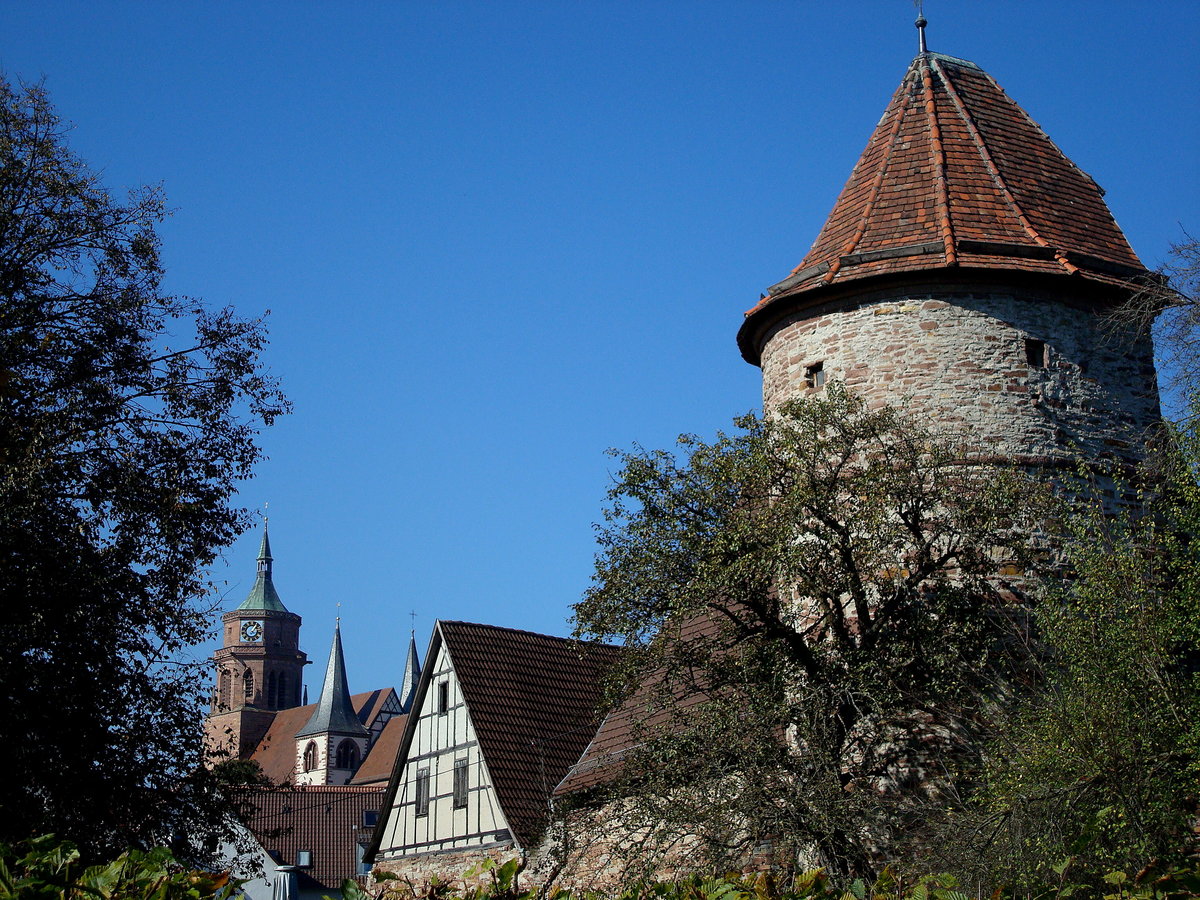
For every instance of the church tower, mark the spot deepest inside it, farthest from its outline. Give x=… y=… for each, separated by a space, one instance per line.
x=964 y=274
x=260 y=668
x=333 y=743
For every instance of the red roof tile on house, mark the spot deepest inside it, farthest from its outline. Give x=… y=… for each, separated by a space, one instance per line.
x=956 y=176
x=327 y=820
x=533 y=700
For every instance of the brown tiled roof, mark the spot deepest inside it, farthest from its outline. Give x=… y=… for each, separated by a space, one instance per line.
x=533 y=700
x=377 y=767
x=636 y=717
x=276 y=752
x=958 y=176
x=326 y=819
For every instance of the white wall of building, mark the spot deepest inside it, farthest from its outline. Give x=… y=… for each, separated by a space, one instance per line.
x=442 y=738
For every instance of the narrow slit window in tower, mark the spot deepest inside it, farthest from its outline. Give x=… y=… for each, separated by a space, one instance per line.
x=1035 y=353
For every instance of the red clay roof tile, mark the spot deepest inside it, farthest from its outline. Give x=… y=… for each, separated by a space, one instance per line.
x=957 y=175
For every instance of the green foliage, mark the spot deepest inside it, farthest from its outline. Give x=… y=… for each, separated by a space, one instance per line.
x=1099 y=761
x=819 y=583
x=45 y=868
x=1153 y=883
x=127 y=416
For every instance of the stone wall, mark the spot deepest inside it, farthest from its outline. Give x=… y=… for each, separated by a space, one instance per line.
x=1028 y=375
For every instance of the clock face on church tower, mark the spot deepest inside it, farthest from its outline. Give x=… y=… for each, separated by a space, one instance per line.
x=252 y=632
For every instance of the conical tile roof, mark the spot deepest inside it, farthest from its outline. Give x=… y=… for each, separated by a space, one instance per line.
x=956 y=176
x=335 y=711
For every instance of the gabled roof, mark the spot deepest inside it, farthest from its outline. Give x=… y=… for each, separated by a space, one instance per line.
x=381 y=758
x=533 y=700
x=334 y=712
x=956 y=176
x=263 y=595
x=276 y=752
x=325 y=819
x=376 y=701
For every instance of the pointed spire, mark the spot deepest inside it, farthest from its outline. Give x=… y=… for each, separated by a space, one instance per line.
x=264 y=553
x=334 y=713
x=412 y=675
x=263 y=595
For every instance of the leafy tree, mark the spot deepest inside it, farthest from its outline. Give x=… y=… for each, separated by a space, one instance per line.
x=814 y=627
x=1095 y=768
x=127 y=416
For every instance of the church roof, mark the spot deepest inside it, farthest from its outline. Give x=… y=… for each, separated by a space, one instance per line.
x=381 y=758
x=334 y=713
x=276 y=752
x=956 y=176
x=412 y=675
x=263 y=595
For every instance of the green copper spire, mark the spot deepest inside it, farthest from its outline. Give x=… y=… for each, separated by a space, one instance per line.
x=334 y=713
x=263 y=595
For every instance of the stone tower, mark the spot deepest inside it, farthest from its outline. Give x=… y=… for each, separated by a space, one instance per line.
x=963 y=274
x=332 y=744
x=260 y=668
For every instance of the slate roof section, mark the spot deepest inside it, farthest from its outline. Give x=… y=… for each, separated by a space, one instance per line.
x=956 y=176
x=276 y=752
x=263 y=594
x=534 y=702
x=334 y=713
x=326 y=819
x=381 y=758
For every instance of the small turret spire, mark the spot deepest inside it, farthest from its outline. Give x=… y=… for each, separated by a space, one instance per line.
x=263 y=595
x=412 y=675
x=334 y=713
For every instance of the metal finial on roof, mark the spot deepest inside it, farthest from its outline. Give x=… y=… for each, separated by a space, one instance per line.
x=921 y=23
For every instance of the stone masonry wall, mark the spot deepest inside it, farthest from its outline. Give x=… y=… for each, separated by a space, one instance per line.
x=959 y=358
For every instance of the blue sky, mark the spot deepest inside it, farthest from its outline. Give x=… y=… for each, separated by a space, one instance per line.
x=497 y=238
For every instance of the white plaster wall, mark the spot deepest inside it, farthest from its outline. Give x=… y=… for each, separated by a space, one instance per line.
x=440 y=740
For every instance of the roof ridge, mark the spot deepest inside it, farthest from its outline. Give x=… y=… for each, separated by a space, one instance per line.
x=536 y=634
x=876 y=188
x=994 y=170
x=938 y=152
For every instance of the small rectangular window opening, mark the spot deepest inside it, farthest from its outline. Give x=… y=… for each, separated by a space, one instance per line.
x=814 y=375
x=443 y=698
x=1035 y=353
x=304 y=859
x=460 y=783
x=422 y=792
x=370 y=818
